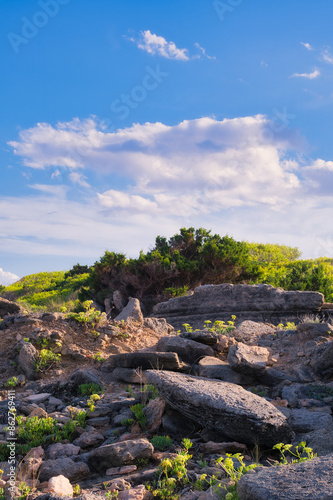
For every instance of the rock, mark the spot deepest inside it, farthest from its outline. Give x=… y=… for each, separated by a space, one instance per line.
x=89 y=438
x=250 y=360
x=131 y=311
x=37 y=398
x=247 y=330
x=137 y=493
x=38 y=412
x=74 y=471
x=224 y=407
x=118 y=454
x=212 y=448
x=8 y=307
x=60 y=485
x=202 y=336
x=323 y=366
x=81 y=377
x=188 y=350
x=176 y=424
x=159 y=325
x=302 y=420
x=129 y=375
x=27 y=360
x=210 y=367
x=272 y=377
x=307 y=480
x=62 y=450
x=308 y=331
x=98 y=421
x=29 y=466
x=247 y=302
x=145 y=360
x=115 y=471
x=153 y=413
x=119 y=300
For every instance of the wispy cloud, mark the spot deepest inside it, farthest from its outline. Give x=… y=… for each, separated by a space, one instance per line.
x=309 y=76
x=327 y=57
x=307 y=45
x=154 y=44
x=203 y=51
x=7 y=278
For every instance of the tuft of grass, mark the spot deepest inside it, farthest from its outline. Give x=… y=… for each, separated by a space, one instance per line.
x=161 y=442
x=89 y=389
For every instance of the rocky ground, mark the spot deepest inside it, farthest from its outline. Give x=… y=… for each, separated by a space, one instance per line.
x=239 y=391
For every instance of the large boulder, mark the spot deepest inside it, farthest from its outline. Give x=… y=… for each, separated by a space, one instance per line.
x=255 y=302
x=8 y=307
x=308 y=331
x=312 y=480
x=188 y=350
x=223 y=407
x=75 y=472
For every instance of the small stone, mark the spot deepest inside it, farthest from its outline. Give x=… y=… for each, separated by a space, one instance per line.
x=60 y=485
x=114 y=471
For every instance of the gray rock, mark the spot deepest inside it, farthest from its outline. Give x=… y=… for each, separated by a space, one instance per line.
x=224 y=407
x=145 y=360
x=62 y=450
x=312 y=480
x=159 y=325
x=129 y=375
x=74 y=471
x=131 y=311
x=27 y=359
x=272 y=377
x=202 y=336
x=302 y=420
x=250 y=360
x=98 y=421
x=320 y=440
x=119 y=300
x=89 y=438
x=117 y=454
x=8 y=307
x=210 y=367
x=323 y=366
x=188 y=350
x=248 y=302
x=81 y=377
x=308 y=331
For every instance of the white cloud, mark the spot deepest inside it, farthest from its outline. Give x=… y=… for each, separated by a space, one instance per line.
x=306 y=45
x=7 y=278
x=55 y=190
x=154 y=44
x=203 y=51
x=327 y=57
x=236 y=176
x=310 y=76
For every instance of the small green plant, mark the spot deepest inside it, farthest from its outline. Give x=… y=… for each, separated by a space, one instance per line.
x=12 y=382
x=150 y=391
x=79 y=416
x=141 y=462
x=255 y=390
x=130 y=390
x=161 y=442
x=43 y=343
x=137 y=409
x=127 y=422
x=301 y=453
x=318 y=392
x=98 y=357
x=92 y=400
x=47 y=358
x=88 y=389
x=112 y=495
x=234 y=473
x=24 y=490
x=187 y=443
x=89 y=315
x=76 y=490
x=288 y=326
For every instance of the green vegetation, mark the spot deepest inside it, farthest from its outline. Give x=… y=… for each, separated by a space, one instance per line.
x=161 y=442
x=288 y=326
x=190 y=258
x=12 y=382
x=318 y=392
x=92 y=400
x=301 y=453
x=88 y=389
x=34 y=431
x=46 y=359
x=89 y=315
x=46 y=291
x=137 y=409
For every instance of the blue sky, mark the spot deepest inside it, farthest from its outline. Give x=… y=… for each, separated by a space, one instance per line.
x=122 y=120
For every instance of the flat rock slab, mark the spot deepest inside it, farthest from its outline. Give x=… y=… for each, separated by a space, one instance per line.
x=118 y=454
x=210 y=367
x=188 y=350
x=145 y=360
x=223 y=407
x=250 y=360
x=312 y=480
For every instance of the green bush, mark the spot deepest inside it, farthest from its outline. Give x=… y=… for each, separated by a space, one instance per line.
x=161 y=442
x=89 y=389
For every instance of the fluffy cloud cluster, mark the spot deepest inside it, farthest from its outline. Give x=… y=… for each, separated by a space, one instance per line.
x=154 y=44
x=242 y=176
x=7 y=278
